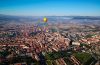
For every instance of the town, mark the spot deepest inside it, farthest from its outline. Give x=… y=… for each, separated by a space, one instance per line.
x=58 y=44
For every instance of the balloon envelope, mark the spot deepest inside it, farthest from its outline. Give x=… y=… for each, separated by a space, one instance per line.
x=45 y=19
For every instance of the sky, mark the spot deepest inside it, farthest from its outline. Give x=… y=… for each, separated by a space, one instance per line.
x=50 y=7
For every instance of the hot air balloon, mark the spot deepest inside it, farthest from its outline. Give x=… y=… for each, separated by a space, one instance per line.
x=45 y=19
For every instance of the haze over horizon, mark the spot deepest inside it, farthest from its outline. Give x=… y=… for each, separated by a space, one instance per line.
x=50 y=7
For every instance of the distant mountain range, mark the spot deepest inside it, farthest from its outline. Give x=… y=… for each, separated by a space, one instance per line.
x=51 y=19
